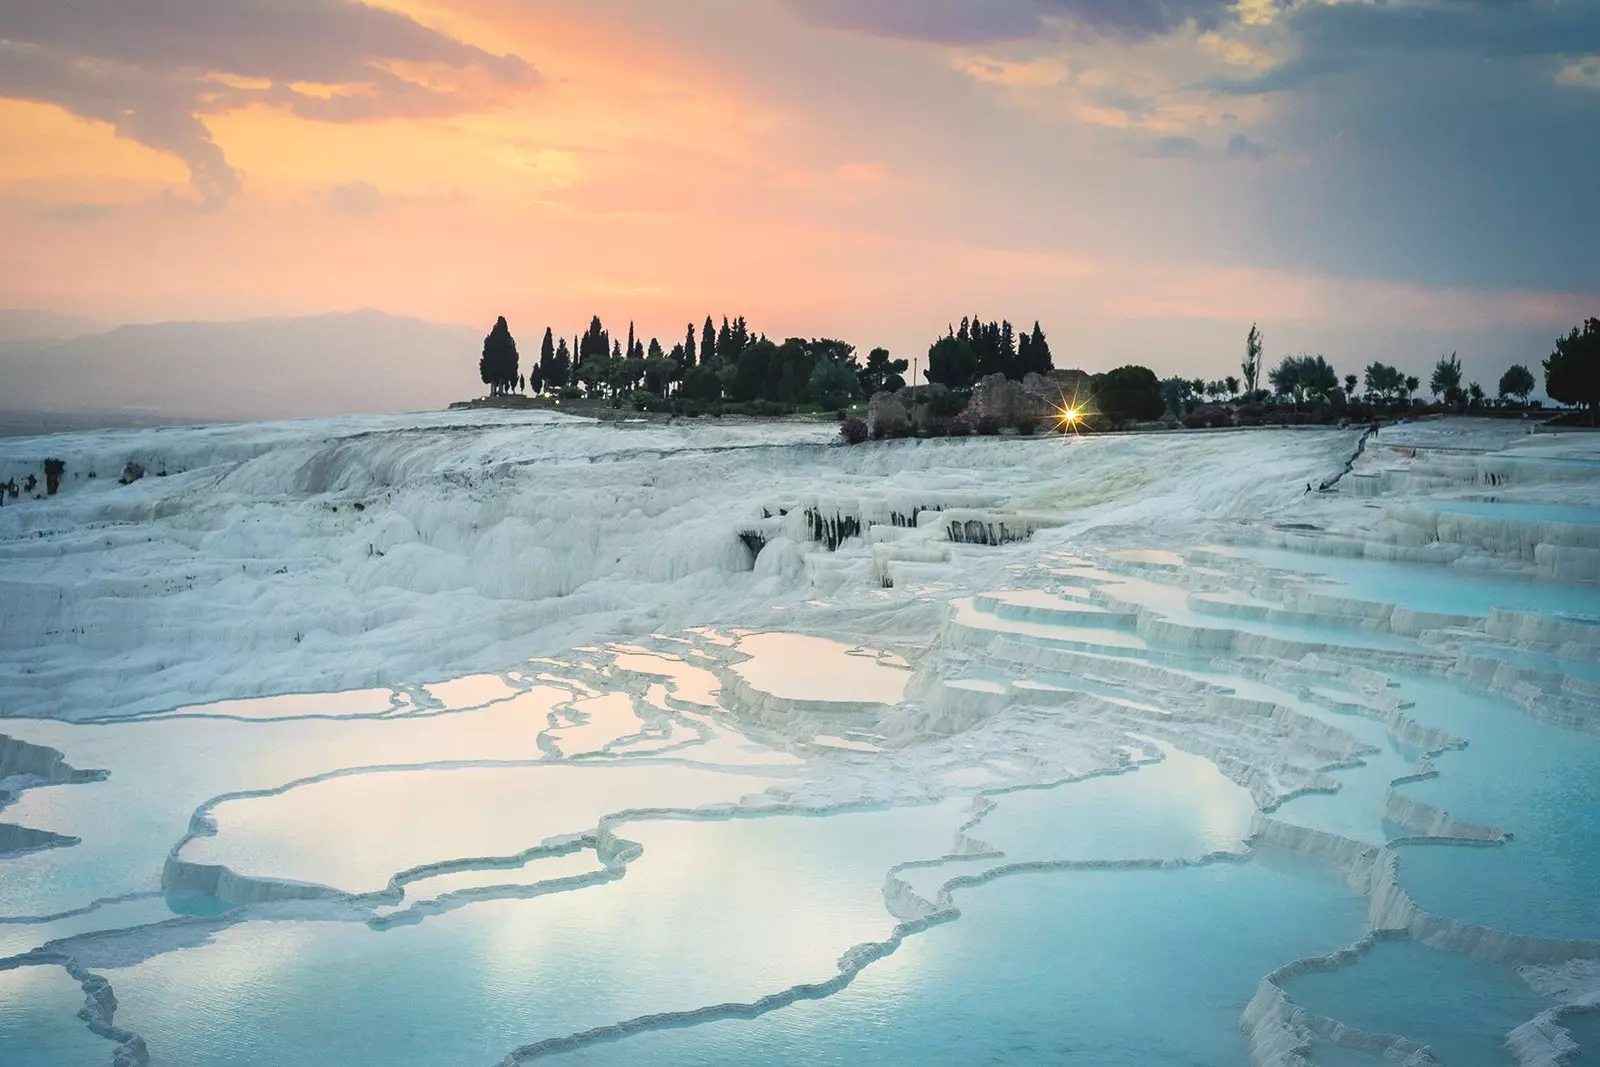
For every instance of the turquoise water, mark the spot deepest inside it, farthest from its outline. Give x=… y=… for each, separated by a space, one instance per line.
x=1461 y=1007
x=37 y=1021
x=1576 y=516
x=1532 y=779
x=1104 y=967
x=1426 y=587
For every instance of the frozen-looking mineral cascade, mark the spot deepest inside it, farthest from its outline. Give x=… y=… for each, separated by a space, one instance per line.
x=494 y=738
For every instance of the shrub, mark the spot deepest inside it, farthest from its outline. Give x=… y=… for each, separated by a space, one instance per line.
x=644 y=400
x=988 y=427
x=1026 y=427
x=1195 y=420
x=959 y=427
x=853 y=430
x=53 y=470
x=571 y=392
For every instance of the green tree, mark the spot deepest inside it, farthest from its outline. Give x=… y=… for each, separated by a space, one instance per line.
x=882 y=374
x=560 y=375
x=1038 y=359
x=595 y=343
x=833 y=384
x=1232 y=385
x=952 y=363
x=708 y=344
x=1350 y=384
x=1175 y=394
x=1409 y=387
x=1572 y=373
x=1286 y=379
x=750 y=376
x=688 y=357
x=1129 y=394
x=1384 y=382
x=1446 y=379
x=1475 y=395
x=1318 y=377
x=1252 y=360
x=498 y=364
x=547 y=358
x=1517 y=381
x=702 y=383
x=592 y=374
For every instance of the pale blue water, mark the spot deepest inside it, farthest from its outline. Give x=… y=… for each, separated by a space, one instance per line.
x=1573 y=515
x=713 y=911
x=1533 y=779
x=1101 y=967
x=37 y=1023
x=1460 y=1006
x=1426 y=587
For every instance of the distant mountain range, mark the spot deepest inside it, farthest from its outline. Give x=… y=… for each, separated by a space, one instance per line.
x=363 y=361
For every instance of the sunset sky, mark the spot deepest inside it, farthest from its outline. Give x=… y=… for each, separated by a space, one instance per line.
x=1146 y=177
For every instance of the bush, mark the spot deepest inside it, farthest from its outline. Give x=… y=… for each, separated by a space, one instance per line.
x=571 y=392
x=988 y=427
x=1026 y=427
x=959 y=427
x=853 y=430
x=644 y=400
x=53 y=470
x=1195 y=420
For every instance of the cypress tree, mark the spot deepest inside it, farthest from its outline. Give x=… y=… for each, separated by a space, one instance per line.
x=725 y=350
x=547 y=356
x=708 y=344
x=630 y=339
x=688 y=348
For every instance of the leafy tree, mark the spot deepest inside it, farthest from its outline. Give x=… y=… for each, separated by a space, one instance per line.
x=789 y=370
x=1475 y=395
x=498 y=365
x=1129 y=394
x=726 y=351
x=1319 y=377
x=882 y=374
x=1517 y=381
x=687 y=348
x=833 y=384
x=1572 y=373
x=702 y=383
x=1175 y=393
x=1350 y=384
x=708 y=344
x=1446 y=379
x=1252 y=359
x=1286 y=379
x=750 y=375
x=654 y=351
x=952 y=363
x=660 y=372
x=1384 y=382
x=1410 y=386
x=592 y=374
x=1232 y=384
x=1301 y=376
x=630 y=340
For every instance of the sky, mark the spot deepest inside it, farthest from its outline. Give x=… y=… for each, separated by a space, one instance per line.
x=1145 y=177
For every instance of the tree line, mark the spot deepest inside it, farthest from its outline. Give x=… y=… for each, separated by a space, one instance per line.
x=732 y=363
